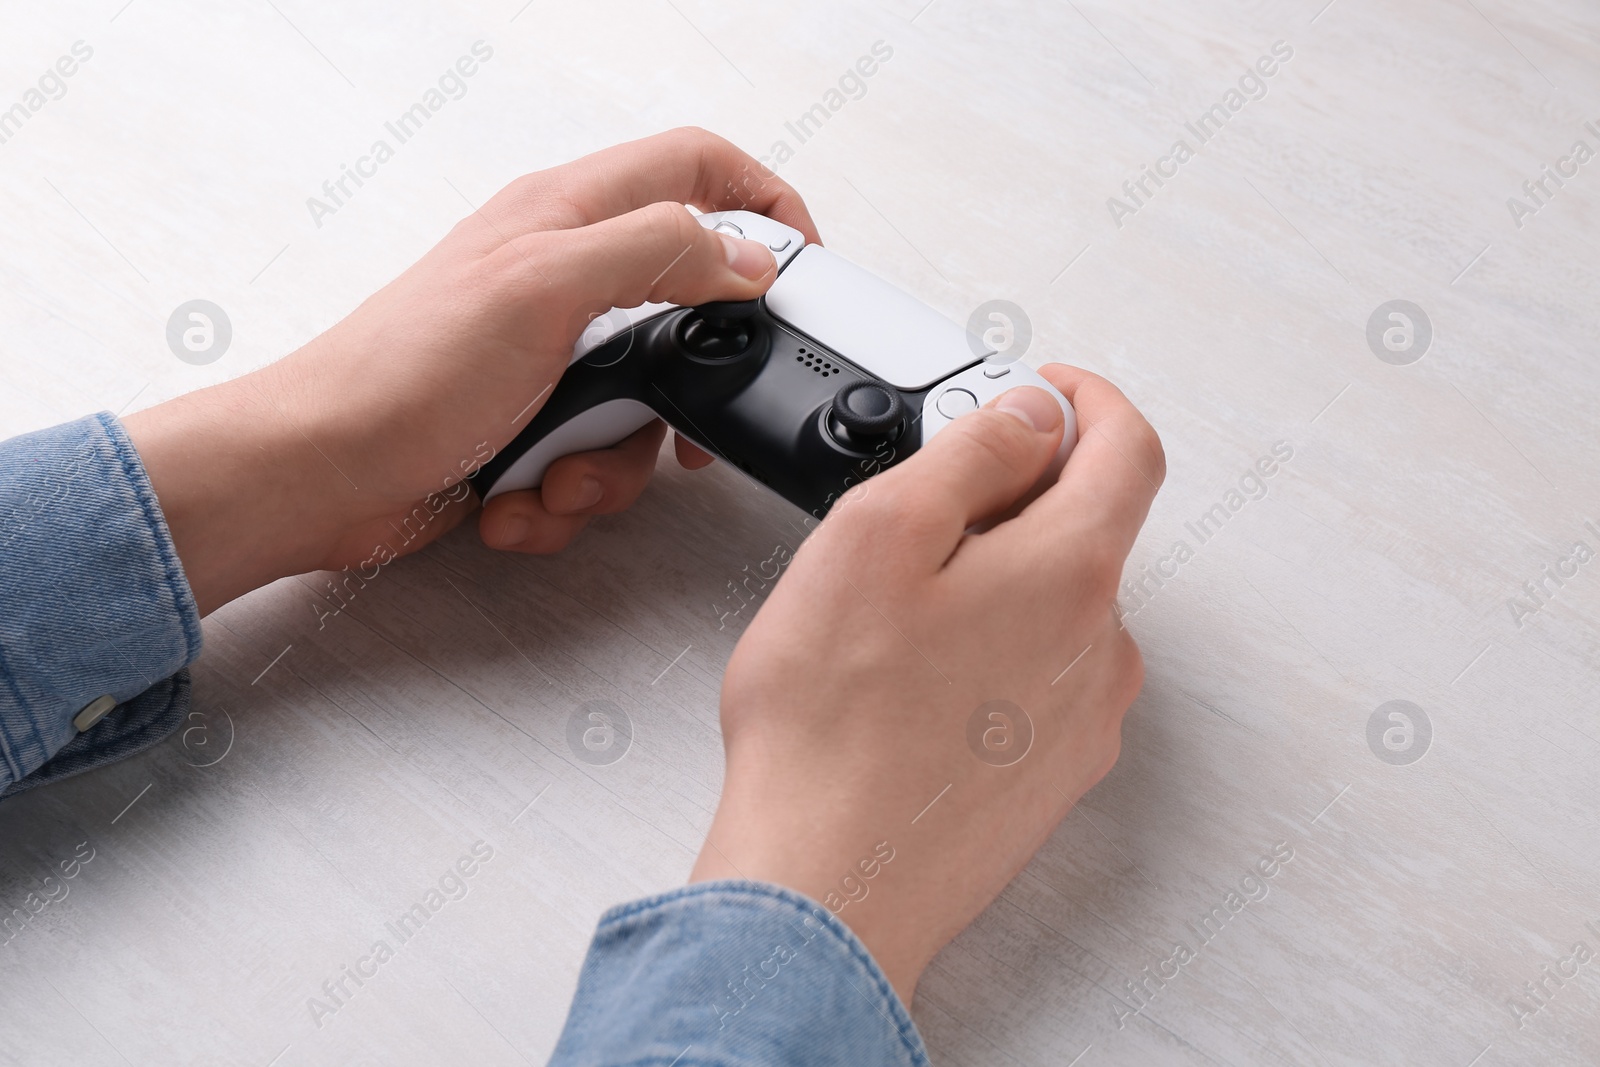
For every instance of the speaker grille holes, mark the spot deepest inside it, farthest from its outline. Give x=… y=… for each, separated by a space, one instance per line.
x=817 y=364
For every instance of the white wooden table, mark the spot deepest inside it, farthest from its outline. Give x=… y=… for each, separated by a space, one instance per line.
x=331 y=778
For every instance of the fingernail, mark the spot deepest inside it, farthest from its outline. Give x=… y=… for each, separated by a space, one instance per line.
x=512 y=531
x=588 y=494
x=1033 y=406
x=749 y=259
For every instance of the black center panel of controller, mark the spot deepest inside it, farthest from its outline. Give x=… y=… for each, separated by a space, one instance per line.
x=750 y=391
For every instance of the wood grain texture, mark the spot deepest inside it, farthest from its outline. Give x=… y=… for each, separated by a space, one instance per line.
x=433 y=711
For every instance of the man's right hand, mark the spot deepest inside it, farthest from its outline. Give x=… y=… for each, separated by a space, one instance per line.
x=848 y=705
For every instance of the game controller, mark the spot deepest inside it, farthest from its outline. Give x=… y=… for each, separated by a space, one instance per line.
x=831 y=377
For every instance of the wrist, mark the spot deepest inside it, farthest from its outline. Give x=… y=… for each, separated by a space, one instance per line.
x=857 y=871
x=248 y=499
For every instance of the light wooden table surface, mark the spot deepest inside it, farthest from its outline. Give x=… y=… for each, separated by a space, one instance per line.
x=331 y=777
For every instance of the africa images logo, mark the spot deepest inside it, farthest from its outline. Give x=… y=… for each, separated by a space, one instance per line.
x=199 y=332
x=451 y=886
x=1139 y=992
x=451 y=85
x=599 y=733
x=51 y=85
x=1399 y=733
x=1252 y=85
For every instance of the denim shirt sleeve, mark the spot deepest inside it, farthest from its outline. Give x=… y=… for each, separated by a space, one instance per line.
x=93 y=605
x=730 y=974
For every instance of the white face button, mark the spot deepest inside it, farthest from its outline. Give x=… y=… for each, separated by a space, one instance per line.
x=954 y=403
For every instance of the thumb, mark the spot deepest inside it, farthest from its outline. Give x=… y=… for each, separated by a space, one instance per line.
x=981 y=464
x=657 y=253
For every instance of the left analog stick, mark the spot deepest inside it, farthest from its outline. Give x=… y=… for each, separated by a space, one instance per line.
x=720 y=330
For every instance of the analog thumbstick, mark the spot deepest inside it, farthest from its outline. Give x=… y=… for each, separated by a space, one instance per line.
x=720 y=330
x=867 y=411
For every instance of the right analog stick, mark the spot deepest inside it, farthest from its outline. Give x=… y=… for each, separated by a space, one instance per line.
x=867 y=411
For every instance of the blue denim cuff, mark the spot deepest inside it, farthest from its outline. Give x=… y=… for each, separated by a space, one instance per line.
x=93 y=603
x=732 y=974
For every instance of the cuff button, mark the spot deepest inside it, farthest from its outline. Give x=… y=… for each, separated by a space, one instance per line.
x=93 y=712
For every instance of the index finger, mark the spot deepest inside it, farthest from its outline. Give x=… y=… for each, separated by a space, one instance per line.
x=683 y=166
x=1113 y=474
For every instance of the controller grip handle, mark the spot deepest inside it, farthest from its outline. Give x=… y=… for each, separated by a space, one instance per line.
x=601 y=426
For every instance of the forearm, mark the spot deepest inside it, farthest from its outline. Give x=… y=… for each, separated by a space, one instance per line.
x=270 y=475
x=243 y=504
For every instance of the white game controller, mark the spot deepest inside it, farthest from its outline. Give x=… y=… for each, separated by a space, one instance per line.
x=831 y=377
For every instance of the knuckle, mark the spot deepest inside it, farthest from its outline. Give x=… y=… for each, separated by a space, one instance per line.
x=1110 y=749
x=1101 y=586
x=690 y=135
x=534 y=195
x=502 y=278
x=1128 y=673
x=1149 y=442
x=698 y=141
x=523 y=189
x=1102 y=564
x=669 y=231
x=669 y=225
